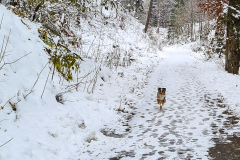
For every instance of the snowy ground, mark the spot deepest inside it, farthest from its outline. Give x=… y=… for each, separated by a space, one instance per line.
x=193 y=118
x=121 y=118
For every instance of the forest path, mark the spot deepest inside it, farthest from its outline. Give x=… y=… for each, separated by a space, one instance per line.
x=193 y=124
x=192 y=120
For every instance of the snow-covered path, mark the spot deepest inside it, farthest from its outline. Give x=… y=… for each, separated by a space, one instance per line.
x=121 y=119
x=193 y=118
x=180 y=130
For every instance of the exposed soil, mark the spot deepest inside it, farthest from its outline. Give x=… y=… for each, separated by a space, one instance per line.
x=227 y=146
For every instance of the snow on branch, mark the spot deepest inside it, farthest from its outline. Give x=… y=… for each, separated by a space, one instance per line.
x=237 y=15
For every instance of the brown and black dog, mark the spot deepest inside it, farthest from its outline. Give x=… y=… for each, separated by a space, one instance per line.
x=161 y=97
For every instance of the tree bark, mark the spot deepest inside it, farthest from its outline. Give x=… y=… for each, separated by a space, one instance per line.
x=232 y=58
x=149 y=16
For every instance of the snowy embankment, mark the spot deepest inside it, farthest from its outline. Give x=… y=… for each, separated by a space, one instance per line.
x=213 y=75
x=33 y=125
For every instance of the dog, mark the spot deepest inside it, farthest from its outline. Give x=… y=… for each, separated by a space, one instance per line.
x=161 y=97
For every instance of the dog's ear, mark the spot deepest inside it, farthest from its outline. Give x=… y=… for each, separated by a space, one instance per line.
x=159 y=89
x=164 y=89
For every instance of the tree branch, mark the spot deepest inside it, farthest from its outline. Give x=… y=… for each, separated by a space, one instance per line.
x=6 y=142
x=1 y=22
x=3 y=51
x=35 y=82
x=46 y=82
x=14 y=61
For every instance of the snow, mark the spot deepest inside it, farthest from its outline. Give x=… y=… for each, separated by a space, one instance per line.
x=212 y=74
x=42 y=128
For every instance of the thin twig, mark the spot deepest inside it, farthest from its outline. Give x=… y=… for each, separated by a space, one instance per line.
x=64 y=47
x=15 y=60
x=35 y=82
x=1 y=22
x=6 y=43
x=93 y=80
x=91 y=45
x=54 y=66
x=6 y=142
x=73 y=86
x=9 y=100
x=78 y=56
x=4 y=51
x=46 y=82
x=1 y=57
x=3 y=120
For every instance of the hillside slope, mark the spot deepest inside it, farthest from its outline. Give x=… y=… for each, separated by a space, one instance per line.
x=33 y=125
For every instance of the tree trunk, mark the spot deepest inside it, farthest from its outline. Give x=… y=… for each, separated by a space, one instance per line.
x=232 y=46
x=149 y=16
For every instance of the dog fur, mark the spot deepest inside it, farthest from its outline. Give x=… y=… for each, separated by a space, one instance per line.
x=161 y=97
